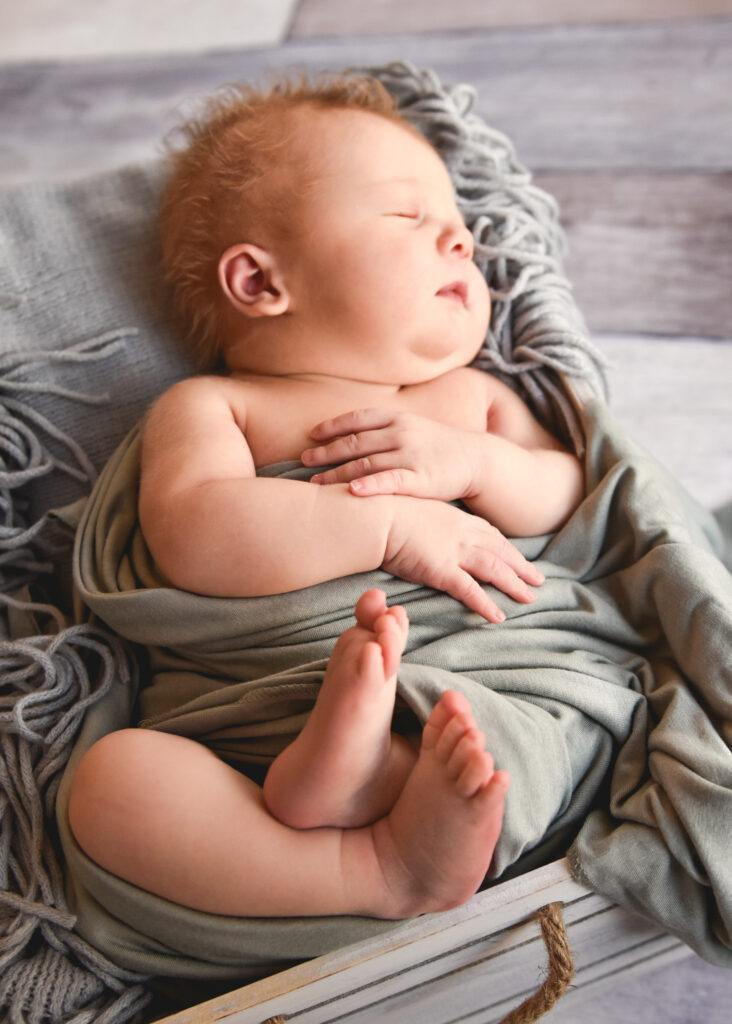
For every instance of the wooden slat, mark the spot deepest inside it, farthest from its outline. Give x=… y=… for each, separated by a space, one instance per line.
x=384 y=17
x=472 y=964
x=368 y=962
x=497 y=974
x=649 y=253
x=602 y=98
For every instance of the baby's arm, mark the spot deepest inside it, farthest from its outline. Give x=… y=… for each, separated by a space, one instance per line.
x=514 y=473
x=215 y=528
x=525 y=481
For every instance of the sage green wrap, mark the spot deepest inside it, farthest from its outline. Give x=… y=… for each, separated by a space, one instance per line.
x=609 y=701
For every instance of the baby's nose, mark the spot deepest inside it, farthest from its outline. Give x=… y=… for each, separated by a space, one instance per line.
x=457 y=240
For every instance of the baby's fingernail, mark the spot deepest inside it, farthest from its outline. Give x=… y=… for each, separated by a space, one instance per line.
x=499 y=616
x=316 y=478
x=540 y=577
x=356 y=485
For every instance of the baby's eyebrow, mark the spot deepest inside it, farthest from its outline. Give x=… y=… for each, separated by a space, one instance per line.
x=412 y=185
x=383 y=190
x=384 y=183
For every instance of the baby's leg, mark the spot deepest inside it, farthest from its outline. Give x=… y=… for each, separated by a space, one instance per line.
x=166 y=814
x=346 y=768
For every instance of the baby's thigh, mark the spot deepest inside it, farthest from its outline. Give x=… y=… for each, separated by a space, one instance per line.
x=126 y=786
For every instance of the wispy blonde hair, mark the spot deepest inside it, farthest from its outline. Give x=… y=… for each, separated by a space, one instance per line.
x=217 y=189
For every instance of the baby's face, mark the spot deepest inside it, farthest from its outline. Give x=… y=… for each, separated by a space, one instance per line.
x=380 y=264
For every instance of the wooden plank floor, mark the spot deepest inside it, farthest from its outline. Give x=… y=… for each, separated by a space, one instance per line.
x=627 y=121
x=382 y=17
x=629 y=125
x=77 y=29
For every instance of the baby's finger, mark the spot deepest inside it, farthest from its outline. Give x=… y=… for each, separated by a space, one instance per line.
x=352 y=422
x=511 y=555
x=348 y=448
x=490 y=567
x=463 y=587
x=390 y=481
x=356 y=469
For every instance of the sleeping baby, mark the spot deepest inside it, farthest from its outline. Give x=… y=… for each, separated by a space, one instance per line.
x=315 y=245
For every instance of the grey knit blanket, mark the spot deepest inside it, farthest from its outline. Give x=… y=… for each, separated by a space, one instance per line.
x=80 y=360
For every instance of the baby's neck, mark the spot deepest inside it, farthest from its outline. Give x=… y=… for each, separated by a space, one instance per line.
x=324 y=380
x=373 y=392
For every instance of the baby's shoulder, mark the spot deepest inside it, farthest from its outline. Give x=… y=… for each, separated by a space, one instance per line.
x=469 y=382
x=200 y=388
x=492 y=387
x=197 y=395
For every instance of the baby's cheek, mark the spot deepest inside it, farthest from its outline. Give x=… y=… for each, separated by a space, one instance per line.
x=479 y=289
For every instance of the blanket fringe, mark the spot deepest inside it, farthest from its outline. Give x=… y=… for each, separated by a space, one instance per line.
x=25 y=454
x=48 y=974
x=48 y=682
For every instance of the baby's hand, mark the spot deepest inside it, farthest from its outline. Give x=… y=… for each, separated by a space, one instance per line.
x=382 y=452
x=442 y=546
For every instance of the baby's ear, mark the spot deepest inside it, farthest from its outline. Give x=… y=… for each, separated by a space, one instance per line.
x=251 y=281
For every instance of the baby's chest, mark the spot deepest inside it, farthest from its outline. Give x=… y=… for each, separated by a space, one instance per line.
x=279 y=430
x=457 y=400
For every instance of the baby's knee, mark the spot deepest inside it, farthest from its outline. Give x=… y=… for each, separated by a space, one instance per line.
x=101 y=777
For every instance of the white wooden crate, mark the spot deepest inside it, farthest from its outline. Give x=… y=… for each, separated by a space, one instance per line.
x=470 y=965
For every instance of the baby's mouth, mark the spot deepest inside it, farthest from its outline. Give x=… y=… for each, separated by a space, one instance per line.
x=457 y=291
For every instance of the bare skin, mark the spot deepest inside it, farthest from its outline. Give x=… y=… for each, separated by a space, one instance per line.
x=164 y=831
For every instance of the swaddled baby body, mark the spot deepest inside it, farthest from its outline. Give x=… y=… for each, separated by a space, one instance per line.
x=315 y=243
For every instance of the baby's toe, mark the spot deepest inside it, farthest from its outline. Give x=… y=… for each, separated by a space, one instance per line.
x=391 y=642
x=401 y=618
x=470 y=765
x=369 y=607
x=450 y=706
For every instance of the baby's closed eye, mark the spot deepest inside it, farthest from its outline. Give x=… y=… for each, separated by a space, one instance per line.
x=410 y=217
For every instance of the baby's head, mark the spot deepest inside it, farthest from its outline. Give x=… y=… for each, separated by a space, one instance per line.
x=305 y=223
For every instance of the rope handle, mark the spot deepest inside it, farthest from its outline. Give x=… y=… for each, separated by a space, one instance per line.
x=559 y=975
x=560 y=969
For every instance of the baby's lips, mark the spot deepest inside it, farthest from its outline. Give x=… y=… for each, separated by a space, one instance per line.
x=455 y=290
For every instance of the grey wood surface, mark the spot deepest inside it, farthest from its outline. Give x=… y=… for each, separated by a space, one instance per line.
x=649 y=252
x=654 y=96
x=630 y=125
x=334 y=17
x=673 y=394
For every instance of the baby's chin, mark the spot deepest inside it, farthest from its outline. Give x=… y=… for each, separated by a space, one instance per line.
x=424 y=363
x=446 y=351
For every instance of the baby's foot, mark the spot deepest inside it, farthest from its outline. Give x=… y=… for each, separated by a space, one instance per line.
x=435 y=847
x=345 y=768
